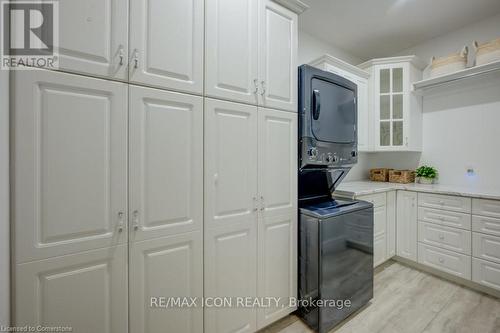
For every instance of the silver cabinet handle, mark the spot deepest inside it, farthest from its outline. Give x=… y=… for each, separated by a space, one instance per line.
x=262 y=204
x=120 y=54
x=120 y=221
x=136 y=59
x=255 y=204
x=263 y=83
x=135 y=221
x=256 y=86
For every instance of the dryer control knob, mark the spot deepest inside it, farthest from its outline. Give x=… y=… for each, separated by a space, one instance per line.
x=330 y=158
x=313 y=152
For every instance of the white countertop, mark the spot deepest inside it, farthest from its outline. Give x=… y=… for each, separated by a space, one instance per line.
x=357 y=188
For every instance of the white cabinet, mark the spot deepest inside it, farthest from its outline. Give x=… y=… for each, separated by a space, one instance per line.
x=165 y=163
x=70 y=152
x=250 y=211
x=447 y=261
x=230 y=164
x=391 y=224
x=384 y=225
x=93 y=37
x=231 y=56
x=406 y=244
x=379 y=234
x=277 y=222
x=277 y=156
x=166 y=267
x=166 y=44
x=278 y=38
x=361 y=78
x=252 y=56
x=230 y=212
x=397 y=111
x=86 y=291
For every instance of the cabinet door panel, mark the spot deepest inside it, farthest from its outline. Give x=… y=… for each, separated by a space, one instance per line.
x=406 y=245
x=166 y=162
x=277 y=253
x=93 y=37
x=167 y=37
x=379 y=249
x=379 y=221
x=231 y=52
x=86 y=291
x=277 y=162
x=166 y=267
x=70 y=154
x=231 y=271
x=278 y=56
x=391 y=224
x=231 y=163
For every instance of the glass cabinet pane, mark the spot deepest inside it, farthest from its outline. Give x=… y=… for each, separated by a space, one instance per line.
x=397 y=80
x=397 y=106
x=397 y=133
x=385 y=133
x=385 y=107
x=385 y=80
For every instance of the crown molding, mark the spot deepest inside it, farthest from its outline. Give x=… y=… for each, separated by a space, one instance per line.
x=331 y=60
x=384 y=61
x=295 y=6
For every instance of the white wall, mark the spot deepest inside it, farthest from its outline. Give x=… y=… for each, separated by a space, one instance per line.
x=483 y=31
x=311 y=48
x=4 y=200
x=461 y=129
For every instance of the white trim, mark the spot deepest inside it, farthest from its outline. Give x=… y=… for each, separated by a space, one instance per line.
x=414 y=60
x=4 y=200
x=331 y=60
x=456 y=76
x=295 y=6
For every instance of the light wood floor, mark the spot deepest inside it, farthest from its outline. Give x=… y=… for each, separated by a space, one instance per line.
x=410 y=301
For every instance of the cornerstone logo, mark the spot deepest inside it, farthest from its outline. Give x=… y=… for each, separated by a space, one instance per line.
x=30 y=34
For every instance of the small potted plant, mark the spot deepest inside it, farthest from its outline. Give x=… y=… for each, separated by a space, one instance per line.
x=426 y=174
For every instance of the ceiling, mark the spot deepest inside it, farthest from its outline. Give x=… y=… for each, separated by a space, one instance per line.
x=378 y=28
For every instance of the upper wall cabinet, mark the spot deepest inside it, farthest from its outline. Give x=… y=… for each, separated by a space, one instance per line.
x=231 y=52
x=360 y=77
x=166 y=44
x=397 y=110
x=251 y=53
x=277 y=56
x=93 y=37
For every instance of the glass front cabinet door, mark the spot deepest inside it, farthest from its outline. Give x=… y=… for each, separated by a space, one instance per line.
x=397 y=110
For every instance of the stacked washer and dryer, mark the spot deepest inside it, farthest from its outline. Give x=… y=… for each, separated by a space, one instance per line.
x=335 y=236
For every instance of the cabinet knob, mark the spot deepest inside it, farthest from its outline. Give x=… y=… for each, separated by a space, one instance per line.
x=120 y=55
x=262 y=204
x=263 y=84
x=256 y=86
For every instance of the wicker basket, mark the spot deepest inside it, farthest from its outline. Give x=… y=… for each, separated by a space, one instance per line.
x=449 y=64
x=379 y=175
x=402 y=176
x=487 y=52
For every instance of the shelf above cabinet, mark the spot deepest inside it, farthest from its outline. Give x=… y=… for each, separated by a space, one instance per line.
x=471 y=72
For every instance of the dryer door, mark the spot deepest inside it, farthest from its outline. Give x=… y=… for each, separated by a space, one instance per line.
x=333 y=112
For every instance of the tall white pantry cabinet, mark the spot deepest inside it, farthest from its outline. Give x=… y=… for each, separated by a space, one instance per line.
x=130 y=183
